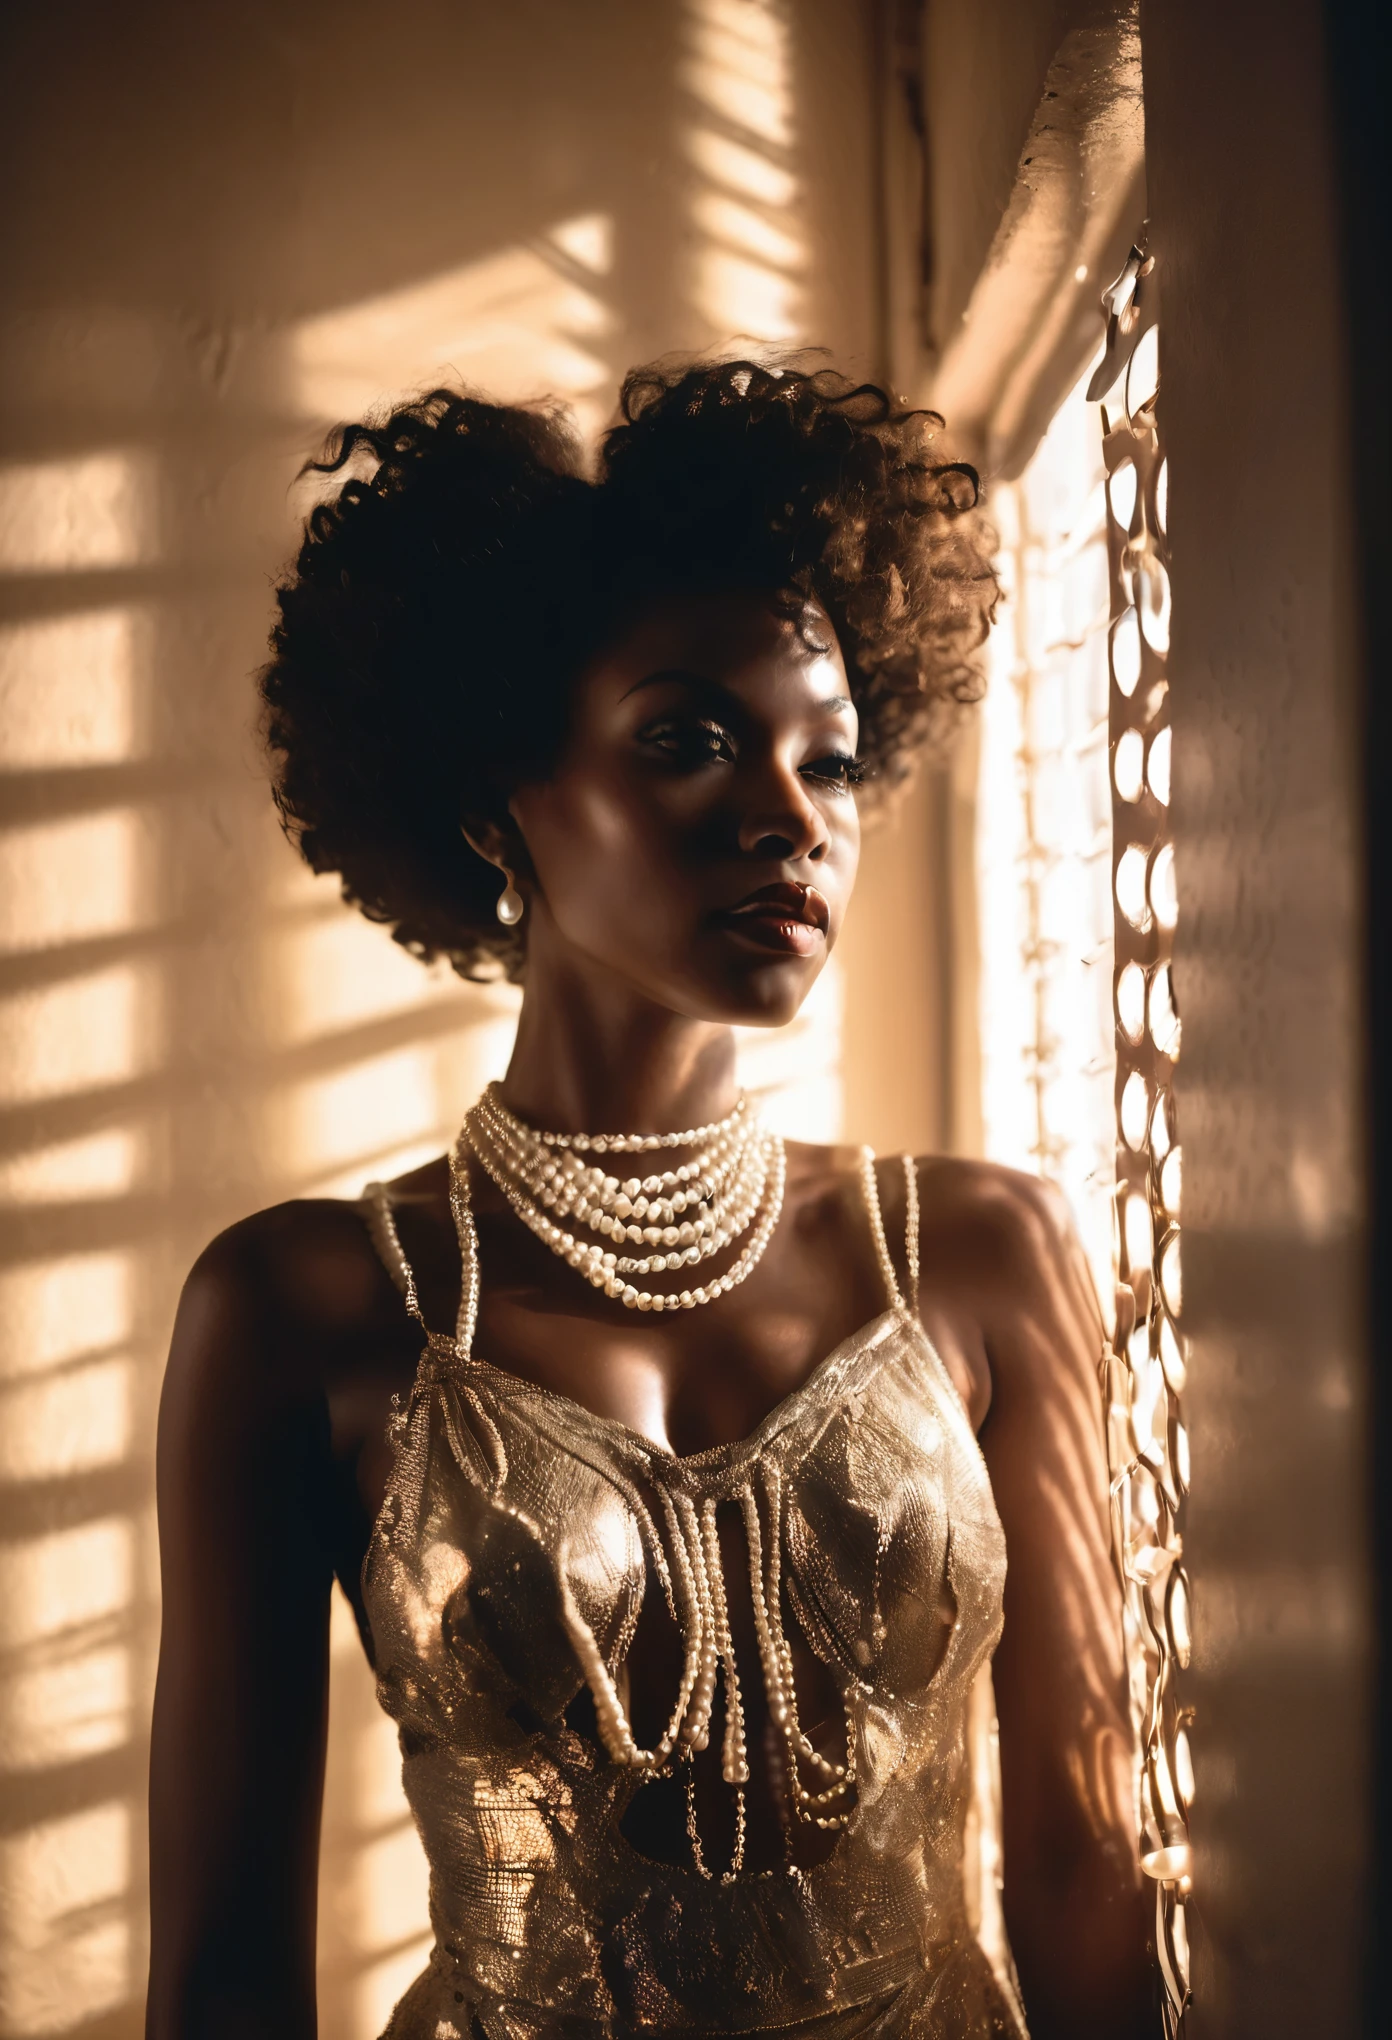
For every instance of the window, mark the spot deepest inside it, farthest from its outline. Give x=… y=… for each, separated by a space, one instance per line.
x=1079 y=1022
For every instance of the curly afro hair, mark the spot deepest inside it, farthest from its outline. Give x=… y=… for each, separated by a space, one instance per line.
x=443 y=604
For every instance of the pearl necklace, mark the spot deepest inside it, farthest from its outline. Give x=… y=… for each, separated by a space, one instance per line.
x=687 y=1214
x=617 y=1143
x=679 y=1208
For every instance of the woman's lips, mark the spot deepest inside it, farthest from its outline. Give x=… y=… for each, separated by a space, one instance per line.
x=790 y=920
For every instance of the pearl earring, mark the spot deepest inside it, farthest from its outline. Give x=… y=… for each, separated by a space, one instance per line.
x=511 y=905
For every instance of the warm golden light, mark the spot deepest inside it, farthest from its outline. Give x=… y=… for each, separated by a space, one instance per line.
x=78 y=1704
x=527 y=322
x=66 y=1422
x=67 y=1952
x=68 y=880
x=55 y=1583
x=1043 y=837
x=93 y=1165
x=337 y=971
x=748 y=251
x=95 y=511
x=68 y=690
x=53 y=1310
x=78 y=1034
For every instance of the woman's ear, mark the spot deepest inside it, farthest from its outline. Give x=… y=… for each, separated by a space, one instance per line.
x=485 y=837
x=497 y=844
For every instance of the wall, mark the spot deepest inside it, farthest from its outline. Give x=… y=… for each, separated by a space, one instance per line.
x=226 y=227
x=984 y=65
x=1245 y=226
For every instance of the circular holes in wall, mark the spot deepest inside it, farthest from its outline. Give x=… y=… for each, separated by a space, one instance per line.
x=1131 y=886
x=1131 y=1002
x=1126 y=653
x=1128 y=765
x=1177 y=1616
x=1159 y=1130
x=1158 y=766
x=1140 y=1236
x=1179 y=1455
x=1164 y=901
x=1172 y=1356
x=1153 y=599
x=1135 y=1110
x=1171 y=1276
x=1184 y=1767
x=1121 y=494
x=1164 y=1021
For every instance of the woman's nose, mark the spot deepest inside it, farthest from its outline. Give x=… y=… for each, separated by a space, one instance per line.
x=786 y=826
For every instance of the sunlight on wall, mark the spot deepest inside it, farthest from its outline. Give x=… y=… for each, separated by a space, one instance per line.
x=93 y=1031
x=95 y=511
x=67 y=1423
x=80 y=1025
x=96 y=1165
x=1044 y=834
x=523 y=323
x=60 y=881
x=747 y=252
x=67 y=1939
x=68 y=1598
x=68 y=694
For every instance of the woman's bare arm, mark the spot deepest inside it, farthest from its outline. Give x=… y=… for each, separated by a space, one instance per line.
x=1076 y=1907
x=240 y=1705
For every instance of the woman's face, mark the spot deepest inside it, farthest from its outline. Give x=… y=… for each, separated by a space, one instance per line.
x=699 y=836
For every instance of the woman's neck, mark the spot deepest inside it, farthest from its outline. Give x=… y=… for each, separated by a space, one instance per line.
x=593 y=1055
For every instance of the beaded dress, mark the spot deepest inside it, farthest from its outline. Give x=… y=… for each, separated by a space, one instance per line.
x=505 y=1576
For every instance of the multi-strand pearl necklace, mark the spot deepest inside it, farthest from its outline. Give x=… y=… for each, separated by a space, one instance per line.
x=680 y=1216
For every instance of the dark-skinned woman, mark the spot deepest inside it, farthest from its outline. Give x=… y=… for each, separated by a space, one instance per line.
x=687 y=1483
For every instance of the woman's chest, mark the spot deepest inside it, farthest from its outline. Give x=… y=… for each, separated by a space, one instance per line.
x=859 y=1520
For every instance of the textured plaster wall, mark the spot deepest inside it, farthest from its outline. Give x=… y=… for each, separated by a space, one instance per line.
x=1264 y=675
x=224 y=227
x=984 y=65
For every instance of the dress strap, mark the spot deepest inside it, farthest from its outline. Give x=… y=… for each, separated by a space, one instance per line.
x=871 y=1191
x=379 y=1214
x=911 y=1229
x=466 y=1232
x=380 y=1220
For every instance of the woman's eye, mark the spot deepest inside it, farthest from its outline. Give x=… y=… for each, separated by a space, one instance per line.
x=837 y=768
x=691 y=743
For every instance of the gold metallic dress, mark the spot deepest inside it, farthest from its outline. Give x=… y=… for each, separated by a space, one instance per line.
x=503 y=1585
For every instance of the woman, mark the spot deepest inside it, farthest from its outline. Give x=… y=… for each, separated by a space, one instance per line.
x=677 y=1558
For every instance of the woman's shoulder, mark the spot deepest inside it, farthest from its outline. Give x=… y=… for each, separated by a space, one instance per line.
x=287 y=1287
x=1006 y=1211
x=1003 y=1231
x=1025 y=1208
